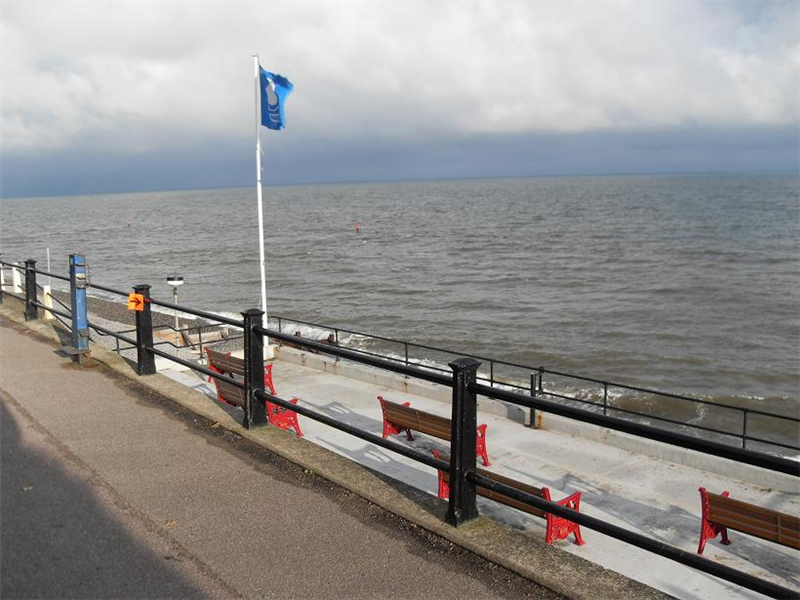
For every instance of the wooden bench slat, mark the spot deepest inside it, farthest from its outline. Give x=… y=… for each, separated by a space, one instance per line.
x=718 y=514
x=755 y=520
x=225 y=362
x=745 y=507
x=417 y=420
x=502 y=498
x=724 y=513
x=230 y=393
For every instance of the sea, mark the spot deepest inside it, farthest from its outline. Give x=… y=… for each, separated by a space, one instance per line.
x=684 y=283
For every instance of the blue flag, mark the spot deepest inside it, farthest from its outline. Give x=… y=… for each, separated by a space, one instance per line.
x=274 y=91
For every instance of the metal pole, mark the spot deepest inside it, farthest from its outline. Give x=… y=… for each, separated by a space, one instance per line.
x=257 y=76
x=254 y=409
x=31 y=312
x=145 y=359
x=744 y=428
x=175 y=301
x=605 y=398
x=462 y=506
x=78 y=281
x=532 y=412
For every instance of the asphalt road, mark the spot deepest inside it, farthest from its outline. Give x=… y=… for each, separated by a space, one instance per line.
x=109 y=490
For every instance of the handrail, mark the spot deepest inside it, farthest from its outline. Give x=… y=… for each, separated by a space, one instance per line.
x=53 y=275
x=537 y=369
x=773 y=463
x=744 y=436
x=356 y=356
x=758 y=459
x=110 y=290
x=198 y=313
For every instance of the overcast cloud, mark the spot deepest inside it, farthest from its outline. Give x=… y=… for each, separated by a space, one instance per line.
x=97 y=86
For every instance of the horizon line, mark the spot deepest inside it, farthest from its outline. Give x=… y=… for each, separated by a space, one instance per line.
x=414 y=180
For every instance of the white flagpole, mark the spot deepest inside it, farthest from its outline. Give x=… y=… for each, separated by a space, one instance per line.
x=256 y=67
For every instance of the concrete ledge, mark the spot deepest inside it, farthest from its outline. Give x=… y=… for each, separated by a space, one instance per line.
x=564 y=573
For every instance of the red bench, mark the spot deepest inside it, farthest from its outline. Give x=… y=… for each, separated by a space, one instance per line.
x=225 y=364
x=721 y=512
x=401 y=417
x=558 y=528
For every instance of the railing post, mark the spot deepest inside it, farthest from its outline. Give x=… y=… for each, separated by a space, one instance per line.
x=605 y=398
x=2 y=278
x=78 y=280
x=541 y=381
x=145 y=359
x=532 y=411
x=462 y=442
x=744 y=428
x=254 y=410
x=31 y=311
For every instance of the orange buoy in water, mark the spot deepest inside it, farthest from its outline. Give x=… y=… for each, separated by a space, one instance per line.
x=358 y=227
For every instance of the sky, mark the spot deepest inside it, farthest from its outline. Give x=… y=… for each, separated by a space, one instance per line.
x=127 y=96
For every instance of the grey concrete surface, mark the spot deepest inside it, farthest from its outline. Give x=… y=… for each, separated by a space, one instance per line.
x=110 y=490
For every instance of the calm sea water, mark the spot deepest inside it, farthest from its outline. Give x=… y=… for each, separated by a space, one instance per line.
x=689 y=284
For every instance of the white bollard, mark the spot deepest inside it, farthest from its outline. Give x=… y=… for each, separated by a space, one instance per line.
x=16 y=281
x=48 y=302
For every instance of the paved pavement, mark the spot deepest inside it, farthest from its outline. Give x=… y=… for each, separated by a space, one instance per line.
x=108 y=490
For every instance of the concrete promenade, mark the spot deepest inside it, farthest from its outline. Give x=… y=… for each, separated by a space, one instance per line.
x=109 y=490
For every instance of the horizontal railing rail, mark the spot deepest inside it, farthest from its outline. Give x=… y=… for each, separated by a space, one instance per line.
x=199 y=313
x=663 y=549
x=766 y=461
x=536 y=386
x=48 y=274
x=356 y=356
x=107 y=289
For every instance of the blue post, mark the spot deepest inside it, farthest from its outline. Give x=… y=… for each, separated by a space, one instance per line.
x=78 y=280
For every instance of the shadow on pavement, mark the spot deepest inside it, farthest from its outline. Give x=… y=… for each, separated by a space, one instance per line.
x=58 y=541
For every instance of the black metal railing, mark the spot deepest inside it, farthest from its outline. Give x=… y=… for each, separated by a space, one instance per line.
x=607 y=390
x=464 y=477
x=466 y=386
